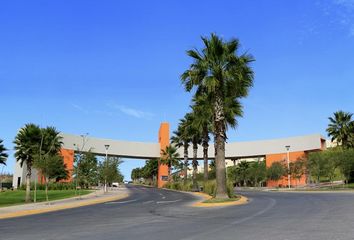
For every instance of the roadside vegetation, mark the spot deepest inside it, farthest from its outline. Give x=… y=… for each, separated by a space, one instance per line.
x=333 y=164
x=40 y=149
x=8 y=198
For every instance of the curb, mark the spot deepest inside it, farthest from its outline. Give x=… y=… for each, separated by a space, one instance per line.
x=50 y=208
x=243 y=200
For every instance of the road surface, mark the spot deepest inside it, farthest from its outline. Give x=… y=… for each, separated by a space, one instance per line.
x=155 y=214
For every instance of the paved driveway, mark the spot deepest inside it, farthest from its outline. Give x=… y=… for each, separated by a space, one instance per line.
x=159 y=214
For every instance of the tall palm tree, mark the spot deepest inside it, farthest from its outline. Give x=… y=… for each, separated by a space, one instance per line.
x=170 y=157
x=3 y=154
x=226 y=77
x=341 y=128
x=181 y=138
x=27 y=143
x=203 y=112
x=195 y=134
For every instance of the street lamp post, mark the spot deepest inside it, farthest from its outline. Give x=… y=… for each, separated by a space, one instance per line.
x=105 y=177
x=288 y=161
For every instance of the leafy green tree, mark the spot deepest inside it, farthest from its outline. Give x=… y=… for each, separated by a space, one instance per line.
x=87 y=169
x=341 y=128
x=248 y=173
x=136 y=174
x=243 y=172
x=276 y=171
x=26 y=147
x=298 y=168
x=346 y=164
x=316 y=165
x=226 y=77
x=170 y=158
x=331 y=160
x=3 y=154
x=258 y=173
x=109 y=171
x=47 y=159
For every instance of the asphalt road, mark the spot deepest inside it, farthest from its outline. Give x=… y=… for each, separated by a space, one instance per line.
x=159 y=214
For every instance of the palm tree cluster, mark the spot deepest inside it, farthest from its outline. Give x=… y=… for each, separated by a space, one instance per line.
x=341 y=129
x=39 y=147
x=3 y=154
x=219 y=77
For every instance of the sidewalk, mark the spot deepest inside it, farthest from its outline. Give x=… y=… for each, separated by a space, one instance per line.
x=35 y=208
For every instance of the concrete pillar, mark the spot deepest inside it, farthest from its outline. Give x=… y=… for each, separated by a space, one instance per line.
x=164 y=141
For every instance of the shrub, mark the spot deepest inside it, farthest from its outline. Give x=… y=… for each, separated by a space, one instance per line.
x=178 y=186
x=210 y=188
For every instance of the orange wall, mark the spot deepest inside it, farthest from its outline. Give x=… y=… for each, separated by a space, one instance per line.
x=68 y=156
x=293 y=156
x=164 y=140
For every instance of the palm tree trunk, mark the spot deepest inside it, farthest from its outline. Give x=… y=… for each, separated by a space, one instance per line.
x=28 y=183
x=46 y=188
x=206 y=166
x=195 y=165
x=205 y=152
x=221 y=191
x=185 y=163
x=169 y=173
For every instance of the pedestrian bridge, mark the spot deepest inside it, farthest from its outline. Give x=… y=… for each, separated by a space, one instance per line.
x=272 y=150
x=149 y=150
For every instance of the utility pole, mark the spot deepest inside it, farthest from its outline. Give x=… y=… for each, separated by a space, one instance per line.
x=288 y=161
x=105 y=177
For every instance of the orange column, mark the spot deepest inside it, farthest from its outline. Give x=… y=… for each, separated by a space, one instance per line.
x=164 y=140
x=282 y=157
x=68 y=156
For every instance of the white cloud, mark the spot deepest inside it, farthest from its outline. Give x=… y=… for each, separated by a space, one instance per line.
x=77 y=107
x=133 y=112
x=340 y=13
x=349 y=4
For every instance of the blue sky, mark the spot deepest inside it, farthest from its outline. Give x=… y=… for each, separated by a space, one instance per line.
x=111 y=68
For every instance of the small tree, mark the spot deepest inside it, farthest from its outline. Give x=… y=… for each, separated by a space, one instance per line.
x=170 y=158
x=109 y=170
x=298 y=169
x=316 y=165
x=276 y=171
x=346 y=164
x=136 y=174
x=258 y=173
x=149 y=171
x=88 y=170
x=47 y=158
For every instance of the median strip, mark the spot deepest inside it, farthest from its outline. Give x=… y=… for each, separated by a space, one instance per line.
x=209 y=201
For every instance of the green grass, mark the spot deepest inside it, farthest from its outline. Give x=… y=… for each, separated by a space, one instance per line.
x=9 y=198
x=221 y=200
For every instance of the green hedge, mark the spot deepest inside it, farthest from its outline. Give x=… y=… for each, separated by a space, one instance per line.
x=209 y=187
x=179 y=186
x=51 y=186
